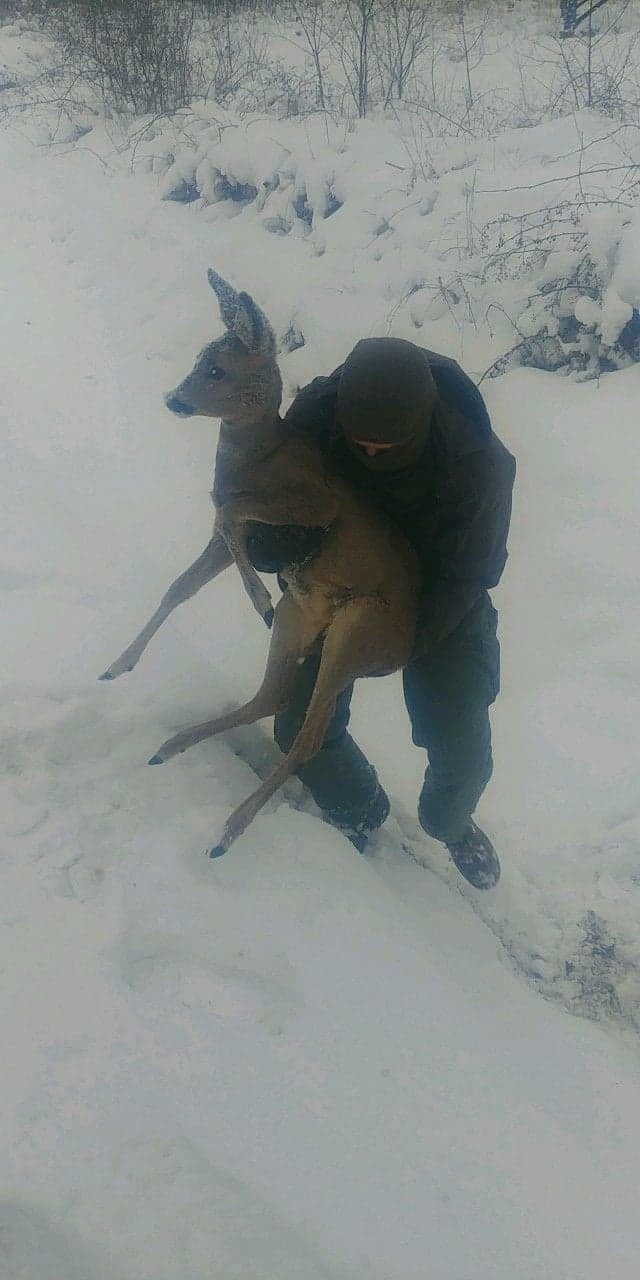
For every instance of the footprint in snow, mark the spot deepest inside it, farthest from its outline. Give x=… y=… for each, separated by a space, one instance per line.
x=80 y=880
x=165 y=973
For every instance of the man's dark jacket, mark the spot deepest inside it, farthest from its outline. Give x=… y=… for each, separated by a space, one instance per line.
x=453 y=504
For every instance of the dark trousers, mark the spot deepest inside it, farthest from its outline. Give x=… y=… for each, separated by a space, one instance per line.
x=448 y=696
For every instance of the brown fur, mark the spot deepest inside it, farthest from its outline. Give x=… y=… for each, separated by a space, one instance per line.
x=357 y=596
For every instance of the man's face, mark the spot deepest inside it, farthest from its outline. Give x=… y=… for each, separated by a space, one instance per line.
x=385 y=398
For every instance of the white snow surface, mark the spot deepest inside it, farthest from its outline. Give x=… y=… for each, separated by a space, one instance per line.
x=294 y=1062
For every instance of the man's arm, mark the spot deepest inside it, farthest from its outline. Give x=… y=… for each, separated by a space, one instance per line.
x=442 y=608
x=456 y=389
x=470 y=548
x=313 y=410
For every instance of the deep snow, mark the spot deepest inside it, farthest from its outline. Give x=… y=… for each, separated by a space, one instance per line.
x=295 y=1062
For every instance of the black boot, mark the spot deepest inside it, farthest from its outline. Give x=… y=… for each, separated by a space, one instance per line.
x=475 y=857
x=376 y=814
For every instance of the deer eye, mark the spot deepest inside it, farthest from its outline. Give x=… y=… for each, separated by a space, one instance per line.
x=216 y=374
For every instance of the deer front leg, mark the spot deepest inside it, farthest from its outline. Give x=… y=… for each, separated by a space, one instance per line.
x=214 y=559
x=318 y=506
x=234 y=536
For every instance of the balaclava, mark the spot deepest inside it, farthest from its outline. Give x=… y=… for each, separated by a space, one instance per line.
x=386 y=394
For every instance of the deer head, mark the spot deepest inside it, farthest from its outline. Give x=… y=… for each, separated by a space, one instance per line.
x=236 y=377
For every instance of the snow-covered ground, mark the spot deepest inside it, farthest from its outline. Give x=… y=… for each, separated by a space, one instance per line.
x=294 y=1062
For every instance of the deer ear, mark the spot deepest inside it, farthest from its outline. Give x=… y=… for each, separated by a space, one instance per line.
x=243 y=317
x=228 y=300
x=253 y=329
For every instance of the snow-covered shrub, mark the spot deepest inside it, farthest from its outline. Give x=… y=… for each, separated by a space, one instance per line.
x=242 y=163
x=139 y=50
x=584 y=311
x=461 y=256
x=501 y=245
x=232 y=50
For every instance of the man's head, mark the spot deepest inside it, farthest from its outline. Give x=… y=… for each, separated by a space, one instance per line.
x=386 y=395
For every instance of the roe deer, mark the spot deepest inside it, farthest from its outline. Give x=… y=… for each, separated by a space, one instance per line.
x=356 y=597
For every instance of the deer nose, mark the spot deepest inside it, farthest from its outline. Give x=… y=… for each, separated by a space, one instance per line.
x=177 y=405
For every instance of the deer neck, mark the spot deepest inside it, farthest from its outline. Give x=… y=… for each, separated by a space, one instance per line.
x=244 y=445
x=253 y=436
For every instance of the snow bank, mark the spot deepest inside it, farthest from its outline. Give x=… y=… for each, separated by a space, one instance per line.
x=508 y=249
x=457 y=250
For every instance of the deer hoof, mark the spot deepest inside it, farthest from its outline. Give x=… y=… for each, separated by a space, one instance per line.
x=157 y=759
x=217 y=851
x=268 y=617
x=118 y=668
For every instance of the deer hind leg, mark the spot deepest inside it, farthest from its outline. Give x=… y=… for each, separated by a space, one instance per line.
x=349 y=650
x=293 y=635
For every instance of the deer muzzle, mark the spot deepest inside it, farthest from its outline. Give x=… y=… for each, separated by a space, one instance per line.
x=176 y=404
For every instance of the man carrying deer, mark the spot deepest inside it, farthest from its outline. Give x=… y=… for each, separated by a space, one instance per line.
x=410 y=429
x=383 y=501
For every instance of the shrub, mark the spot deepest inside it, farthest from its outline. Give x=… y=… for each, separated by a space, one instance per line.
x=139 y=49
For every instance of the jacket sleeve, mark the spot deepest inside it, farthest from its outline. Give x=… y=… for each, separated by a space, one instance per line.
x=470 y=546
x=456 y=388
x=313 y=409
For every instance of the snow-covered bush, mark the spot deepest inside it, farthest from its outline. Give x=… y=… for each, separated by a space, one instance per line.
x=488 y=221
x=583 y=312
x=140 y=50
x=457 y=254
